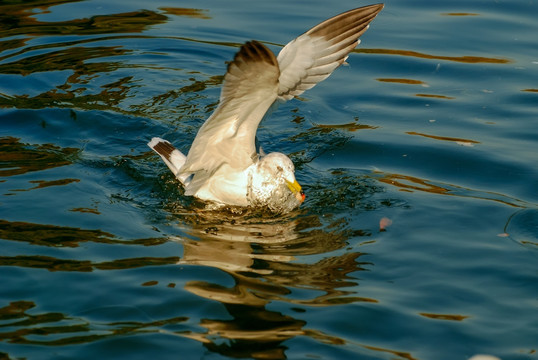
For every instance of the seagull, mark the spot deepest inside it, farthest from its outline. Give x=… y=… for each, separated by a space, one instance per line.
x=223 y=166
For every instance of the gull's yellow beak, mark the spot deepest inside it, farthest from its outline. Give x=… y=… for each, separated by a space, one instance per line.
x=296 y=190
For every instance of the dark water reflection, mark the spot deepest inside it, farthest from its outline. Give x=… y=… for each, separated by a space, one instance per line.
x=269 y=260
x=19 y=19
x=76 y=56
x=462 y=59
x=38 y=329
x=17 y=158
x=264 y=260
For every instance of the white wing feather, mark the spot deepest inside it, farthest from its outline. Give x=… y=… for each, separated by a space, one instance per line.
x=313 y=56
x=228 y=135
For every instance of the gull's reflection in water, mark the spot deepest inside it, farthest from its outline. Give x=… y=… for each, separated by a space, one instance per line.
x=295 y=259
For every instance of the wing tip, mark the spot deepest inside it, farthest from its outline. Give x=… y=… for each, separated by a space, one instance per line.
x=255 y=51
x=379 y=6
x=355 y=21
x=374 y=8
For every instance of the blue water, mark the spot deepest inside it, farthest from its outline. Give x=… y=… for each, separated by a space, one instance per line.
x=418 y=238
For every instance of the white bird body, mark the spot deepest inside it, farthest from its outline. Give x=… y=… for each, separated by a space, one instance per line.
x=222 y=165
x=227 y=185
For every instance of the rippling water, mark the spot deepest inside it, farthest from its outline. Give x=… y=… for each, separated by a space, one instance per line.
x=419 y=235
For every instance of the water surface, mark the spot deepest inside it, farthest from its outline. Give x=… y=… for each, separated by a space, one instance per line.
x=419 y=235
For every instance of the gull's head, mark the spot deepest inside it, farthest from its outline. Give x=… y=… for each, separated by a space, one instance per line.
x=281 y=168
x=296 y=190
x=273 y=184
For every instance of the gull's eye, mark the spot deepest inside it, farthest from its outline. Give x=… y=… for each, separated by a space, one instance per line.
x=279 y=168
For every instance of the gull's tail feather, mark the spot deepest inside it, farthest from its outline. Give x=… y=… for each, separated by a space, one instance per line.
x=172 y=157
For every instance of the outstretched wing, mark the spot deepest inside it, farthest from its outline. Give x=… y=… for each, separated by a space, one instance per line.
x=313 y=56
x=228 y=135
x=255 y=79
